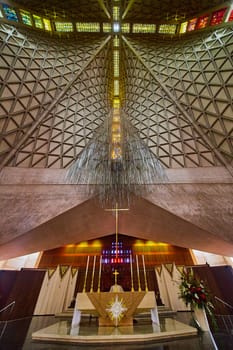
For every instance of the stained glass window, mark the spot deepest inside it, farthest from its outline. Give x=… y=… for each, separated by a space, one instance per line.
x=109 y=255
x=47 y=24
x=116 y=41
x=116 y=63
x=64 y=26
x=107 y=27
x=183 y=27
x=217 y=17
x=192 y=24
x=144 y=28
x=202 y=22
x=116 y=13
x=167 y=29
x=88 y=27
x=38 y=21
x=26 y=17
x=231 y=16
x=10 y=13
x=116 y=27
x=125 y=27
x=116 y=87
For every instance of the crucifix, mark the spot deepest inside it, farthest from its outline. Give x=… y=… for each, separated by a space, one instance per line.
x=116 y=209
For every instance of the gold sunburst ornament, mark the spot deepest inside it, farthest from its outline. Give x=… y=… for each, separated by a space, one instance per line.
x=116 y=310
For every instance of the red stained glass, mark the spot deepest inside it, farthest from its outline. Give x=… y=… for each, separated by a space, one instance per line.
x=192 y=24
x=231 y=16
x=217 y=17
x=202 y=22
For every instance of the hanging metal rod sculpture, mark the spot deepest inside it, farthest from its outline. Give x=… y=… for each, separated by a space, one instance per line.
x=116 y=163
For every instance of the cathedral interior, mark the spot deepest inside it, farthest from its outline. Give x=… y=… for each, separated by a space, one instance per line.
x=116 y=141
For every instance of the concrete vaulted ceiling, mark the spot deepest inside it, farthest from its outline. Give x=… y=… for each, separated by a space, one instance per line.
x=57 y=90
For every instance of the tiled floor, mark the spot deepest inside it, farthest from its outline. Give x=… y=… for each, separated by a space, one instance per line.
x=18 y=336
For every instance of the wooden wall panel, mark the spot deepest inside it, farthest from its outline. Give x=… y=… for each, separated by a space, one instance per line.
x=24 y=292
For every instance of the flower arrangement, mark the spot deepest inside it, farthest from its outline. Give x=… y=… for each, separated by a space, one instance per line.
x=194 y=293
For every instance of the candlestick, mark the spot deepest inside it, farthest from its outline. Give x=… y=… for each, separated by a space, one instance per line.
x=85 y=280
x=139 y=283
x=131 y=271
x=144 y=269
x=93 y=274
x=100 y=273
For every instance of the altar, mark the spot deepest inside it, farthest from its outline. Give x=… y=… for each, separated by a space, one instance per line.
x=115 y=308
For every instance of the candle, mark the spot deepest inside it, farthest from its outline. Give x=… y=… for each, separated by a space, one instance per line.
x=144 y=269
x=100 y=273
x=139 y=284
x=85 y=280
x=93 y=273
x=131 y=271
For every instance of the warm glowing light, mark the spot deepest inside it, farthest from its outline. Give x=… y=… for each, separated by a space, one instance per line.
x=96 y=244
x=116 y=103
x=83 y=245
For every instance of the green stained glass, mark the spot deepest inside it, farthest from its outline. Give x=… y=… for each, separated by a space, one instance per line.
x=26 y=17
x=64 y=26
x=38 y=21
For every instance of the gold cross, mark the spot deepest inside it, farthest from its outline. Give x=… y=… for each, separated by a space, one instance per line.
x=116 y=209
x=115 y=273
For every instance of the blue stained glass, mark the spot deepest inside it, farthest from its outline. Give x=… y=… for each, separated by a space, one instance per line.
x=10 y=13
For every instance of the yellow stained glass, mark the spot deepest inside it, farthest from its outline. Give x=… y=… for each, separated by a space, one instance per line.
x=125 y=27
x=183 y=27
x=167 y=29
x=116 y=63
x=116 y=41
x=116 y=13
x=91 y=27
x=107 y=27
x=38 y=21
x=116 y=103
x=47 y=24
x=144 y=28
x=64 y=26
x=116 y=87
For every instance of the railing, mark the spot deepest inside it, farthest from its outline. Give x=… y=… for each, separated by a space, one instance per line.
x=9 y=306
x=223 y=302
x=225 y=322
